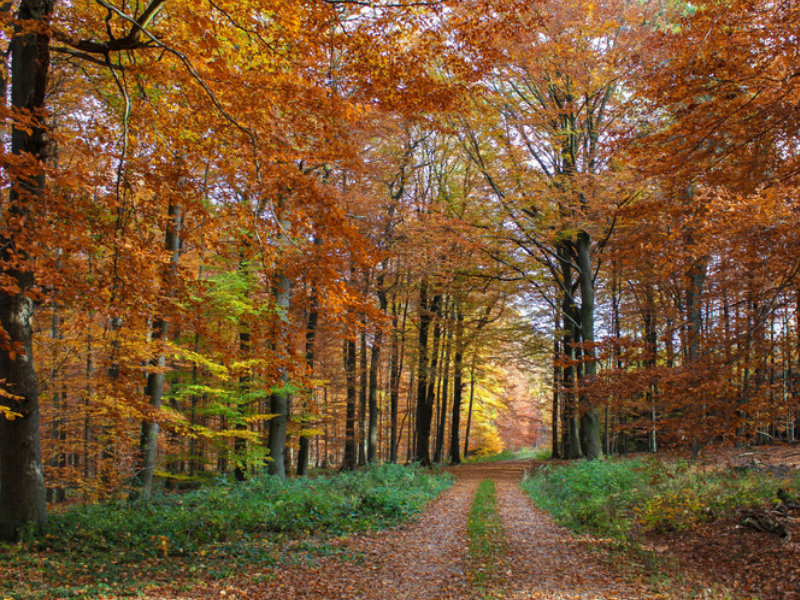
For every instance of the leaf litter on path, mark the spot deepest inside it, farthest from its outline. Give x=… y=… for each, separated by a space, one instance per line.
x=427 y=560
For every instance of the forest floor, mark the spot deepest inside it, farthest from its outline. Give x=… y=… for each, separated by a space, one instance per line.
x=429 y=559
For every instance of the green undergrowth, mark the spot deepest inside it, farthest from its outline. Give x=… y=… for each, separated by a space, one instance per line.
x=486 y=539
x=104 y=550
x=625 y=499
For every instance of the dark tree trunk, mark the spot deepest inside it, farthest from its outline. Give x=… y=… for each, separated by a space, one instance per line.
x=571 y=337
x=349 y=462
x=469 y=410
x=651 y=355
x=22 y=489
x=445 y=383
x=362 y=396
x=239 y=442
x=556 y=450
x=424 y=407
x=590 y=420
x=311 y=336
x=395 y=370
x=458 y=389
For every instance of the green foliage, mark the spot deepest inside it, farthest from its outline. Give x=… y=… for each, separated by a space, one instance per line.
x=622 y=498
x=594 y=496
x=352 y=501
x=219 y=523
x=228 y=512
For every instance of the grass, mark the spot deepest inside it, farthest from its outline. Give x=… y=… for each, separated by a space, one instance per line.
x=623 y=499
x=486 y=539
x=117 y=549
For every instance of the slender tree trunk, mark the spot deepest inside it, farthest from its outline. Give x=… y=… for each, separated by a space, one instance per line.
x=362 y=396
x=395 y=372
x=445 y=383
x=311 y=336
x=651 y=355
x=349 y=462
x=556 y=451
x=458 y=388
x=424 y=407
x=58 y=461
x=239 y=442
x=433 y=373
x=469 y=410
x=155 y=379
x=694 y=309
x=22 y=489
x=375 y=360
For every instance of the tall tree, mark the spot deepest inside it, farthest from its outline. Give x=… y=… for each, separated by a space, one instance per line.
x=22 y=489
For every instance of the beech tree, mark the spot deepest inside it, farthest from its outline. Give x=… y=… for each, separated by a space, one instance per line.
x=22 y=491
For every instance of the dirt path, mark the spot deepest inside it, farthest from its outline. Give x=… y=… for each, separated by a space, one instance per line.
x=544 y=561
x=423 y=561
x=428 y=559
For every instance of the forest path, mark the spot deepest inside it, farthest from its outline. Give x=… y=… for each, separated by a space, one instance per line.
x=425 y=560
x=544 y=561
x=428 y=560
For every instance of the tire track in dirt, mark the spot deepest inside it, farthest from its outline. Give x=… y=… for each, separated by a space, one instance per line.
x=545 y=561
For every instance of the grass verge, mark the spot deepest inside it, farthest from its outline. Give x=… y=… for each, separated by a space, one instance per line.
x=486 y=540
x=118 y=549
x=625 y=499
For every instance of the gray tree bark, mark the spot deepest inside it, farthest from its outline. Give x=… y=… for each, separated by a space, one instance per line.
x=155 y=379
x=590 y=419
x=22 y=489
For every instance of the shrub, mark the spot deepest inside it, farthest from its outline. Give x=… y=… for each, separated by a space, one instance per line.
x=228 y=512
x=618 y=498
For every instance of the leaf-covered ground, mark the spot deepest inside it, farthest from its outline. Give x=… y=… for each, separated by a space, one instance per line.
x=430 y=559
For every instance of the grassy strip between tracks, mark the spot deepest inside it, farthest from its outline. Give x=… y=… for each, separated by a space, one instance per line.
x=487 y=544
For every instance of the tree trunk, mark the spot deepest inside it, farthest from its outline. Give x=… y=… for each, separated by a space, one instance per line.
x=694 y=310
x=239 y=442
x=395 y=372
x=458 y=388
x=469 y=410
x=424 y=408
x=651 y=355
x=22 y=489
x=279 y=398
x=445 y=381
x=349 y=462
x=590 y=421
x=362 y=396
x=556 y=451
x=155 y=379
x=375 y=359
x=311 y=336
